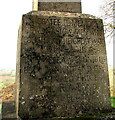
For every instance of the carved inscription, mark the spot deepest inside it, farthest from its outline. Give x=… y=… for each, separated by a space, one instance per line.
x=64 y=61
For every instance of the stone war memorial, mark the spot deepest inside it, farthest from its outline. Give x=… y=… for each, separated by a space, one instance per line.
x=61 y=62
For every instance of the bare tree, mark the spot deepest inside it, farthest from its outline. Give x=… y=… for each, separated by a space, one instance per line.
x=108 y=11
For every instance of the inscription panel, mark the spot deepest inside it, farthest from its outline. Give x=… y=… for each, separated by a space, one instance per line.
x=64 y=66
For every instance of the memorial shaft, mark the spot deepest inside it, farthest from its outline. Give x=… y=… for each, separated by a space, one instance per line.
x=57 y=5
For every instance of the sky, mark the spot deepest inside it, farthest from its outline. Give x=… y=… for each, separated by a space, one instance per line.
x=11 y=12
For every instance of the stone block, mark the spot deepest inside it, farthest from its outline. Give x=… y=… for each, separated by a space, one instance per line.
x=62 y=67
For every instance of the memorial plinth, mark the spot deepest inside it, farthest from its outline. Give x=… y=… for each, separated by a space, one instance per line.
x=62 y=68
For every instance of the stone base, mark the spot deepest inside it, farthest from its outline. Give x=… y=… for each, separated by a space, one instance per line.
x=63 y=66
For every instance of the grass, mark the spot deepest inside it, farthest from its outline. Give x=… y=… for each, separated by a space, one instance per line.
x=113 y=102
x=6 y=82
x=7 y=78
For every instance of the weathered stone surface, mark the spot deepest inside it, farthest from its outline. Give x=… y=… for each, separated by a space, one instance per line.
x=17 y=84
x=8 y=110
x=60 y=6
x=63 y=65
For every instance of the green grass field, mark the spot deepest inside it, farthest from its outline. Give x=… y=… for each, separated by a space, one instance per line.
x=6 y=78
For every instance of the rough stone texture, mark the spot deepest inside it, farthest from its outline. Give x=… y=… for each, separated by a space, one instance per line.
x=60 y=6
x=8 y=110
x=17 y=84
x=63 y=65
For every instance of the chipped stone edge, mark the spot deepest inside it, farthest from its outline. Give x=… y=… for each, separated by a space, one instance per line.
x=17 y=86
